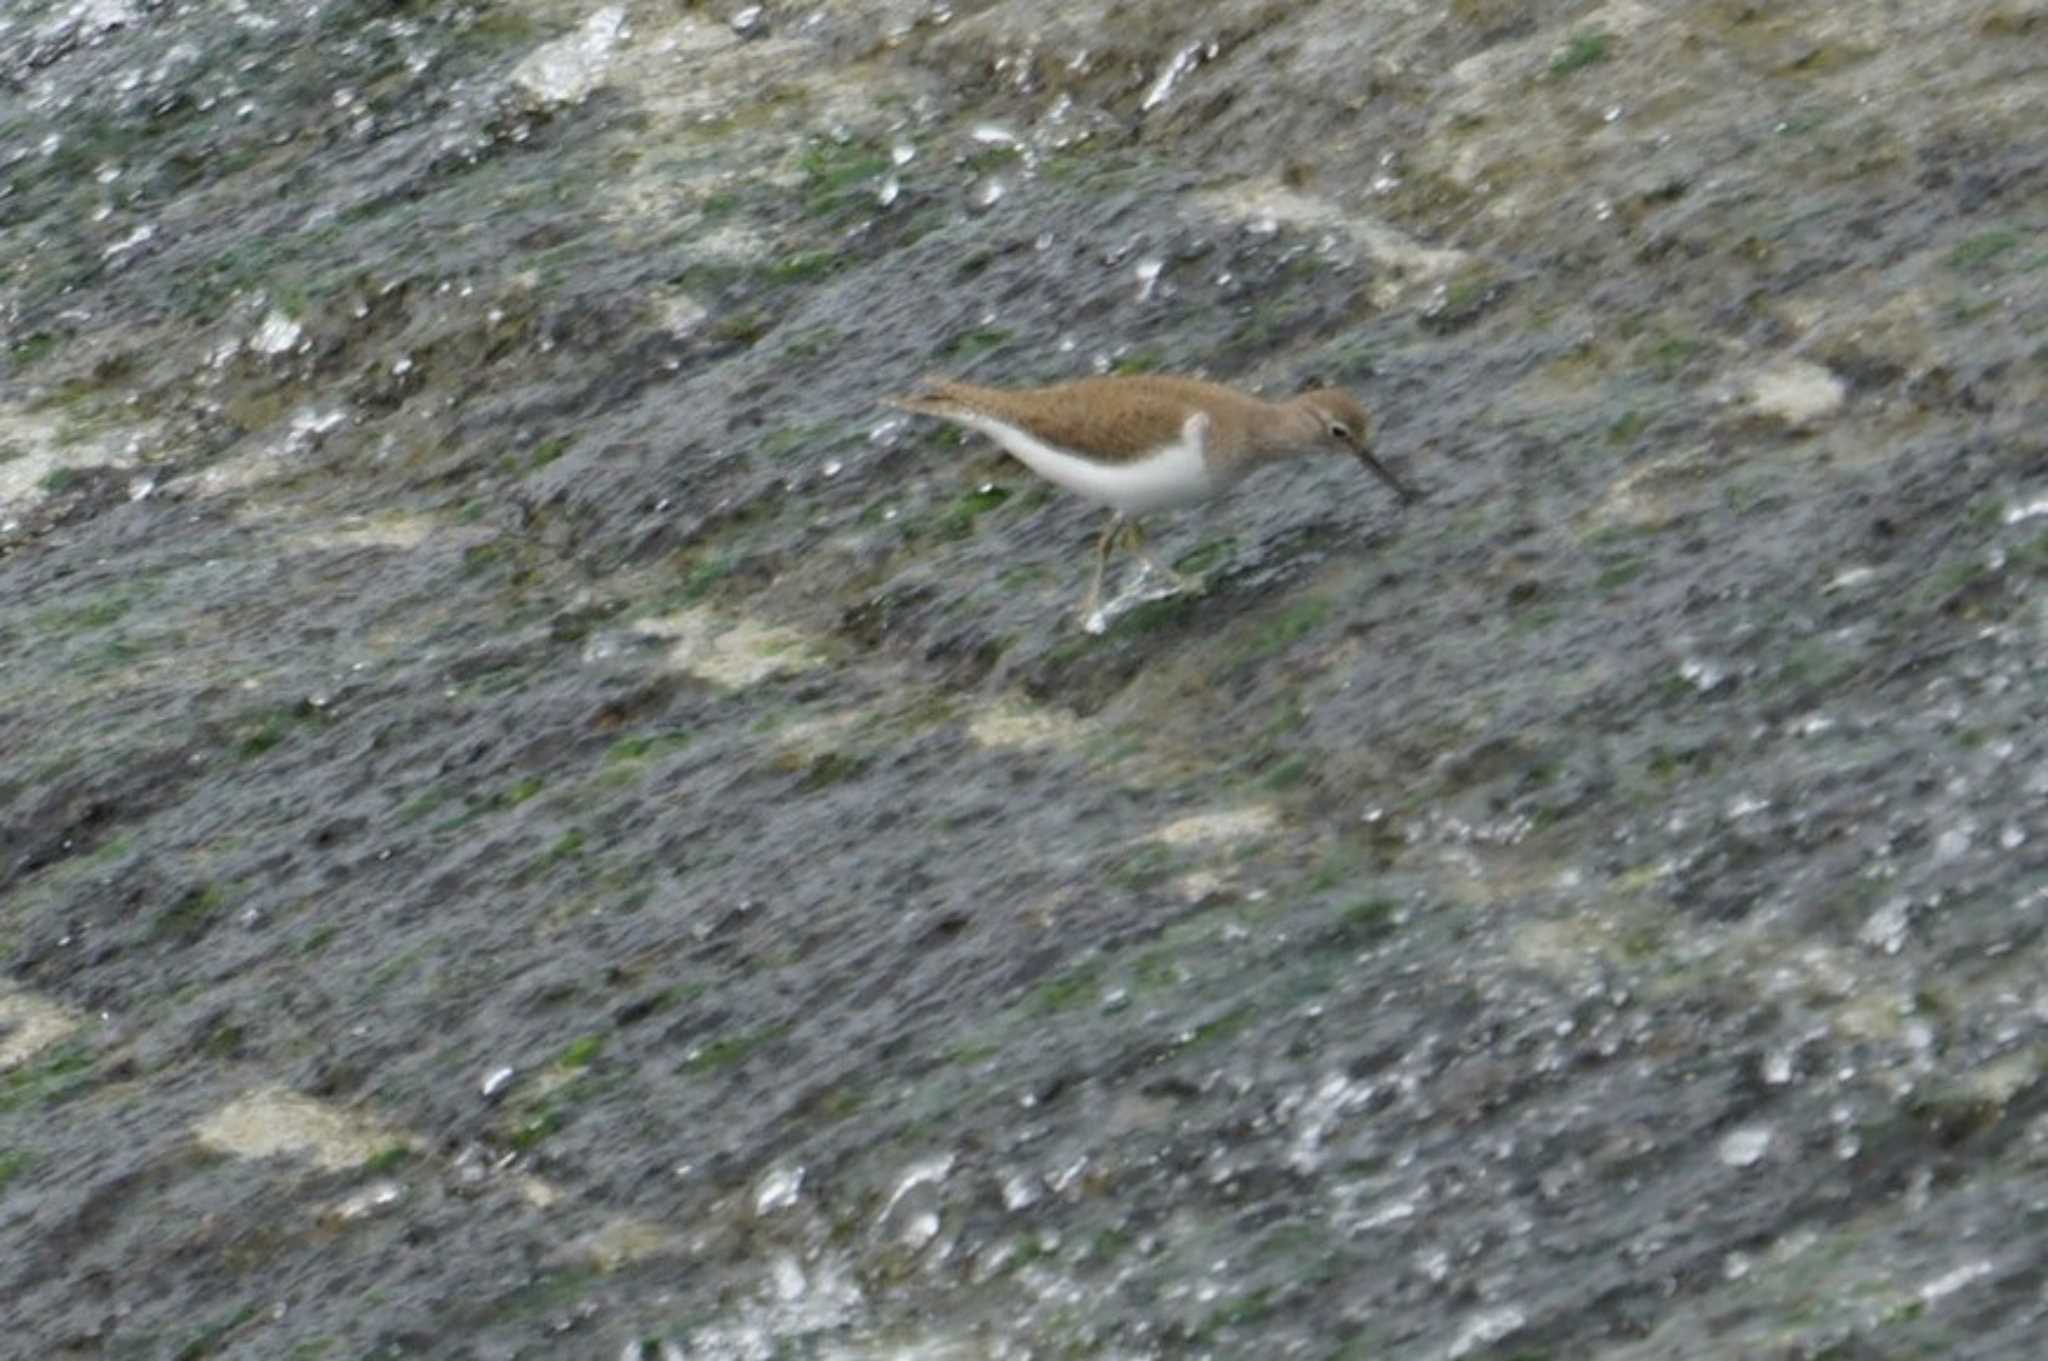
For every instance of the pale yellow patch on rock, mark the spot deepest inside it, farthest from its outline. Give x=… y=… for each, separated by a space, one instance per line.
x=733 y=242
x=1406 y=266
x=1645 y=496
x=1613 y=935
x=1553 y=946
x=1254 y=200
x=384 y=531
x=1018 y=725
x=29 y=1025
x=1483 y=74
x=679 y=314
x=731 y=652
x=622 y=1243
x=1199 y=886
x=1904 y=329
x=538 y=1193
x=274 y=1120
x=1043 y=913
x=693 y=77
x=34 y=444
x=1471 y=145
x=379 y=1198
x=1222 y=828
x=569 y=69
x=2003 y=1079
x=1832 y=982
x=1798 y=393
x=821 y=736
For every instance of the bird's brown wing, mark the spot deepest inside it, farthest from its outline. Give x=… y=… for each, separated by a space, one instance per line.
x=1116 y=420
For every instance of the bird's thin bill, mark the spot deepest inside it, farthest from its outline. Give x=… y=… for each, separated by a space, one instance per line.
x=1400 y=488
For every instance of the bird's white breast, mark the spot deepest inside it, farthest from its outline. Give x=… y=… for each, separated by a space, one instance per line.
x=1175 y=475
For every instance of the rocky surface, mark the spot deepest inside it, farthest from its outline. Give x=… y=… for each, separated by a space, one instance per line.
x=536 y=819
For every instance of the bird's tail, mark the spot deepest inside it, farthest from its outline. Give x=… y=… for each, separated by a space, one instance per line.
x=932 y=397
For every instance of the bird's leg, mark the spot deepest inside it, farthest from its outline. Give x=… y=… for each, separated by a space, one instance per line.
x=1109 y=533
x=1134 y=539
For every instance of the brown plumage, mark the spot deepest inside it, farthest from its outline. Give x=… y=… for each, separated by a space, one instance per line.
x=1149 y=442
x=1112 y=420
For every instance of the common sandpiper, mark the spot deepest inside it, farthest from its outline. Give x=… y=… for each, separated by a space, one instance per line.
x=1144 y=442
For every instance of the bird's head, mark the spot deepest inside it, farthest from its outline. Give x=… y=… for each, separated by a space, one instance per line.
x=1346 y=427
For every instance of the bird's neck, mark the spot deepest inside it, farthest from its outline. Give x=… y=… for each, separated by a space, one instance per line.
x=1291 y=428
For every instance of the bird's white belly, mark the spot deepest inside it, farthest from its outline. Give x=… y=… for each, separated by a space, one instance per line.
x=1175 y=476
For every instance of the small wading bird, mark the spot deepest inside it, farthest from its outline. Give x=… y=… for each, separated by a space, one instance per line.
x=1149 y=442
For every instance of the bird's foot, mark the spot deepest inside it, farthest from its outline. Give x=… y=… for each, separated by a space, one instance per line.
x=1165 y=583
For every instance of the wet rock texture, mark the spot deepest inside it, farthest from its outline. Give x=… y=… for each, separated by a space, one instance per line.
x=537 y=820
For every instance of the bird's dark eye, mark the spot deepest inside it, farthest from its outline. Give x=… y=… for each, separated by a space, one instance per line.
x=1339 y=430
